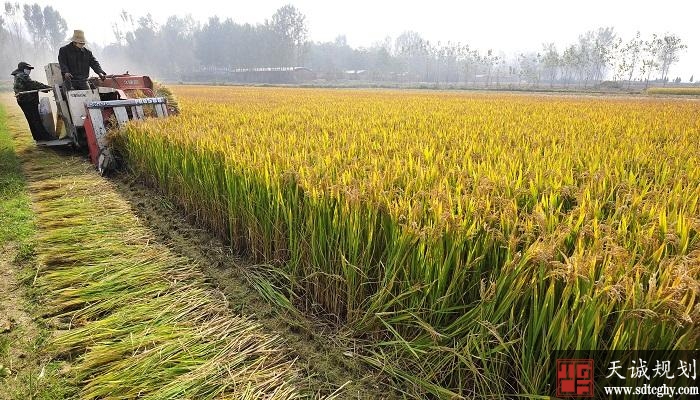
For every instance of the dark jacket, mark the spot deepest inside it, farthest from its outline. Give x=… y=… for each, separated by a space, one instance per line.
x=23 y=83
x=77 y=61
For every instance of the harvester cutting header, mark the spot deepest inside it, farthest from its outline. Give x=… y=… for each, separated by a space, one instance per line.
x=87 y=108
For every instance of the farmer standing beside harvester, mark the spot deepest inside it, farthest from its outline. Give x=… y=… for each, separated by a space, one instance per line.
x=29 y=102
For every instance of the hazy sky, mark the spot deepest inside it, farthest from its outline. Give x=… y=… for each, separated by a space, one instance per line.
x=508 y=25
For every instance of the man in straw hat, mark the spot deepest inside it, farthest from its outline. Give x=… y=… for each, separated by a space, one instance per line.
x=76 y=61
x=28 y=100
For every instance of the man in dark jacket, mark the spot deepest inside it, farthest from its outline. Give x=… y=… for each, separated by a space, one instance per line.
x=29 y=102
x=76 y=60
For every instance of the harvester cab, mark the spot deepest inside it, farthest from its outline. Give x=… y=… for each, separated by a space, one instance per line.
x=84 y=117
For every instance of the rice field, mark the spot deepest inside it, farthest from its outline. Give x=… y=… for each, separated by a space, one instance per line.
x=465 y=236
x=686 y=91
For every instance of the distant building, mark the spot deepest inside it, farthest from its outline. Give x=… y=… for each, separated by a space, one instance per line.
x=356 y=74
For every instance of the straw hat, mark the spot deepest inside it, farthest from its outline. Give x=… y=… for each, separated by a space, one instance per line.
x=78 y=36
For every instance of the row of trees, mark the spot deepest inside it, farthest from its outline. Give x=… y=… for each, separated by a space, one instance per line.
x=596 y=56
x=182 y=46
x=30 y=33
x=601 y=53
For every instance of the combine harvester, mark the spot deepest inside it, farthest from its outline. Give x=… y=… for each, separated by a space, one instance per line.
x=87 y=115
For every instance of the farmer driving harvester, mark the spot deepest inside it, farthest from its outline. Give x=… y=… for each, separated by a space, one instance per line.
x=27 y=93
x=86 y=108
x=76 y=60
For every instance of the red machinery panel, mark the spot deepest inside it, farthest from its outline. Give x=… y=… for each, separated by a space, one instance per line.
x=91 y=140
x=93 y=146
x=128 y=83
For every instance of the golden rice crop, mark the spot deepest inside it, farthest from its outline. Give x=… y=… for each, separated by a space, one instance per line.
x=687 y=91
x=468 y=235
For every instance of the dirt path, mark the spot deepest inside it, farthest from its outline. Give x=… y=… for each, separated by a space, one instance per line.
x=113 y=278
x=19 y=359
x=26 y=372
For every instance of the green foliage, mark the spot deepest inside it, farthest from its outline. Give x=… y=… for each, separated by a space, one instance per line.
x=15 y=214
